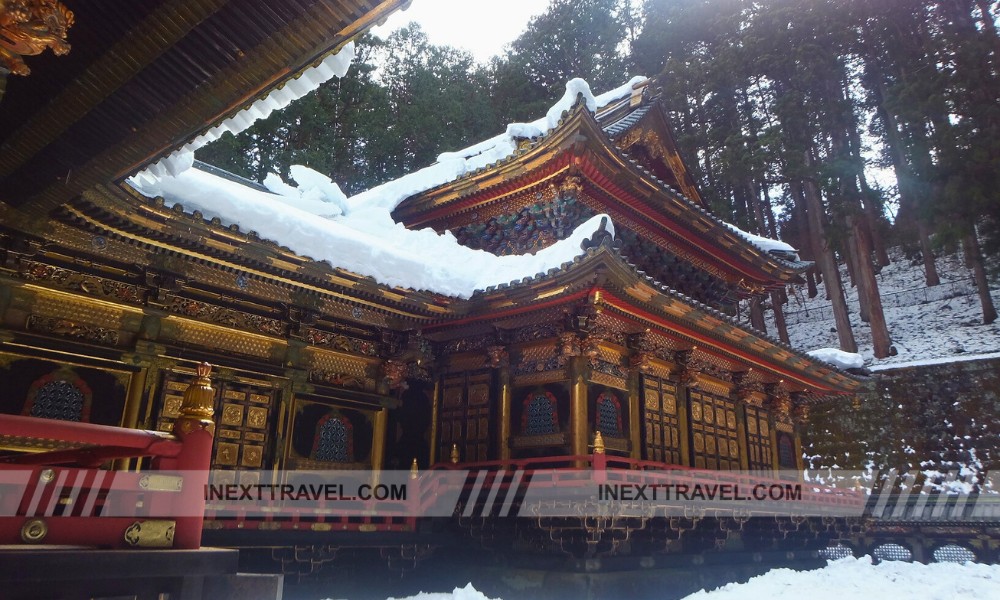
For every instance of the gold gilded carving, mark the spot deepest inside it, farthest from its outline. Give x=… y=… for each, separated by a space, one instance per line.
x=151 y=534
x=609 y=380
x=229 y=434
x=257 y=417
x=68 y=328
x=734 y=449
x=232 y=414
x=172 y=406
x=250 y=436
x=252 y=456
x=218 y=338
x=234 y=395
x=800 y=413
x=479 y=394
x=720 y=417
x=696 y=411
x=540 y=378
x=78 y=282
x=261 y=398
x=752 y=426
x=699 y=442
x=710 y=444
x=28 y=27
x=709 y=415
x=394 y=373
x=176 y=386
x=497 y=357
x=764 y=427
x=731 y=419
x=226 y=454
x=652 y=399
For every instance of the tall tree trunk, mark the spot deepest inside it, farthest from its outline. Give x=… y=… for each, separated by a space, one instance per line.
x=827 y=264
x=757 y=314
x=868 y=288
x=779 y=315
x=927 y=253
x=971 y=245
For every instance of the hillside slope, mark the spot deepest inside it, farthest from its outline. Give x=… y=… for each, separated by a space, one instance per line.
x=927 y=325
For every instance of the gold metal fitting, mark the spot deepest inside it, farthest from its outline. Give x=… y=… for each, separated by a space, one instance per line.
x=34 y=531
x=598 y=443
x=454 y=454
x=414 y=469
x=47 y=476
x=199 y=397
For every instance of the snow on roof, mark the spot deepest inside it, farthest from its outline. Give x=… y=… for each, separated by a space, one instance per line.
x=452 y=165
x=838 y=358
x=309 y=220
x=334 y=65
x=762 y=243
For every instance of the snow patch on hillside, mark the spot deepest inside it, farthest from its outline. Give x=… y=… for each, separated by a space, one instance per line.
x=927 y=325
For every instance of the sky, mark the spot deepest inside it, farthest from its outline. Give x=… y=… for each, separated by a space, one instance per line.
x=482 y=27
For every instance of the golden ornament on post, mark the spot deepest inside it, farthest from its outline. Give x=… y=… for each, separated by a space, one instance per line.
x=414 y=469
x=454 y=454
x=598 y=446
x=198 y=406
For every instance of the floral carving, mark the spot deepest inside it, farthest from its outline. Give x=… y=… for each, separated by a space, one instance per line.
x=67 y=328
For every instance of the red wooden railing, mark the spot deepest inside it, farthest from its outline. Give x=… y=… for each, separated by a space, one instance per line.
x=64 y=497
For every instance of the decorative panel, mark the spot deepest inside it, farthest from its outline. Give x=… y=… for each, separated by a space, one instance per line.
x=220 y=339
x=243 y=417
x=714 y=432
x=661 y=424
x=758 y=439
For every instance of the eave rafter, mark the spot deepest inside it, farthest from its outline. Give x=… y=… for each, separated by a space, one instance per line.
x=604 y=280
x=192 y=238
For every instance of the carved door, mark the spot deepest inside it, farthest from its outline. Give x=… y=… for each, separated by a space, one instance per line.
x=661 y=428
x=465 y=416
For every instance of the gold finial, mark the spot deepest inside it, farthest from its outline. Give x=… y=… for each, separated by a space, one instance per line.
x=199 y=397
x=598 y=443
x=198 y=405
x=414 y=469
x=454 y=454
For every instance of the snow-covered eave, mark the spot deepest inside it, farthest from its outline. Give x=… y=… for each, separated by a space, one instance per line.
x=490 y=153
x=334 y=63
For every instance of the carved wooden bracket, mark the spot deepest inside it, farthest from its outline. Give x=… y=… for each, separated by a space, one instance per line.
x=28 y=27
x=497 y=356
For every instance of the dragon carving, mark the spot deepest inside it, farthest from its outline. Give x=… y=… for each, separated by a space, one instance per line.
x=28 y=27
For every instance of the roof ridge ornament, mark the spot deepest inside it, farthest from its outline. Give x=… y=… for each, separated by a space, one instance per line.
x=601 y=237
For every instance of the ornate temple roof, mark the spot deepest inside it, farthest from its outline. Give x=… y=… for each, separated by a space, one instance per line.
x=603 y=147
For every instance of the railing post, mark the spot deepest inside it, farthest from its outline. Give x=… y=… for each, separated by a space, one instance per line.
x=195 y=429
x=599 y=462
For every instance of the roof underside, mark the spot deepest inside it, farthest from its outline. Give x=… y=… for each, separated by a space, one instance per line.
x=142 y=78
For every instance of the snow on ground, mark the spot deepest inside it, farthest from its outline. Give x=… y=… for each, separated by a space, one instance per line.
x=939 y=324
x=850 y=578
x=843 y=579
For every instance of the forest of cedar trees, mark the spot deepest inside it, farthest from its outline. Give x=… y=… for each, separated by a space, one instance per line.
x=842 y=127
